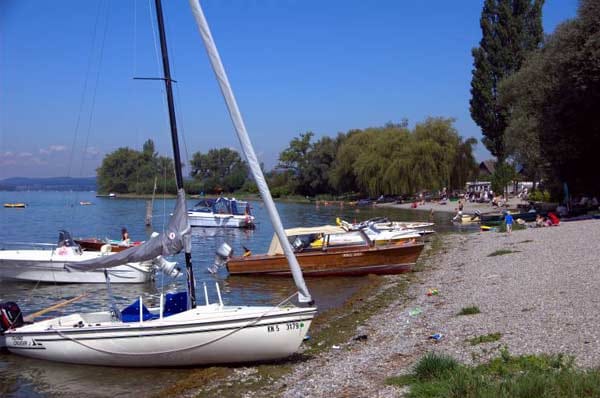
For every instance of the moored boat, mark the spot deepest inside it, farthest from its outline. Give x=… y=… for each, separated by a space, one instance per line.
x=96 y=245
x=54 y=265
x=221 y=212
x=329 y=251
x=15 y=205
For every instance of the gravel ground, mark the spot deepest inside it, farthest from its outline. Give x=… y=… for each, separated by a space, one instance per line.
x=542 y=297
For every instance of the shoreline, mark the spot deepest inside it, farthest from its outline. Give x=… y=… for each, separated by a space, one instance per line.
x=452 y=207
x=540 y=297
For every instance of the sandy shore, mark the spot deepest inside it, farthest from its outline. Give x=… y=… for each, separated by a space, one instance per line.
x=542 y=297
x=451 y=207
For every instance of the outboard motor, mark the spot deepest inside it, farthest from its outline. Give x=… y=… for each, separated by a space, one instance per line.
x=168 y=268
x=10 y=316
x=222 y=254
x=298 y=244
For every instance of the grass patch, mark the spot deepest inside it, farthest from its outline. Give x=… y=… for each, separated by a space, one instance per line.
x=472 y=310
x=505 y=376
x=502 y=252
x=486 y=338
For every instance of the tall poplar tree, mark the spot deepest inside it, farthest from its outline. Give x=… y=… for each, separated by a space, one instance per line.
x=510 y=29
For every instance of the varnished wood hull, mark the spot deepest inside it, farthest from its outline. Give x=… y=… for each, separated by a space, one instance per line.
x=388 y=259
x=94 y=245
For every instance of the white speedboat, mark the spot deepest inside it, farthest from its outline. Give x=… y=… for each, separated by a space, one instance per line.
x=178 y=332
x=54 y=265
x=221 y=212
x=383 y=225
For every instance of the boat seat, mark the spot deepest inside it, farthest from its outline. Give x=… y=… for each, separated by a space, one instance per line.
x=132 y=313
x=175 y=303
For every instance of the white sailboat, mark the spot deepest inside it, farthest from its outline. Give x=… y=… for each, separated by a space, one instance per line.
x=178 y=332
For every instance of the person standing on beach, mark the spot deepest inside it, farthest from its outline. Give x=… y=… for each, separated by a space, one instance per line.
x=508 y=219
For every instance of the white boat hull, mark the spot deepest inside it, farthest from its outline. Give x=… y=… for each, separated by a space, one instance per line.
x=201 y=219
x=205 y=335
x=47 y=266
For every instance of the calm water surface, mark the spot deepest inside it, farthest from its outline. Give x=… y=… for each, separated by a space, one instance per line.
x=48 y=212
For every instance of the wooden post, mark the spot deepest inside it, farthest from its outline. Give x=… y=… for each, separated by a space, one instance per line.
x=149 y=213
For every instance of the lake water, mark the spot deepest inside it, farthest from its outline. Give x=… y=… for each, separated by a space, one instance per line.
x=48 y=212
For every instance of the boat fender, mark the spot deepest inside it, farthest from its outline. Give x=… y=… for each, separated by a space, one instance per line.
x=11 y=316
x=105 y=249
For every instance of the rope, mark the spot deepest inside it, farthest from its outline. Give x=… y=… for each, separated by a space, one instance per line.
x=251 y=323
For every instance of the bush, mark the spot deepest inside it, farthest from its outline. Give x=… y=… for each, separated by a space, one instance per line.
x=539 y=196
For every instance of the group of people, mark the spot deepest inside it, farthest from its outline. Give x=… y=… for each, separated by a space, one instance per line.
x=541 y=221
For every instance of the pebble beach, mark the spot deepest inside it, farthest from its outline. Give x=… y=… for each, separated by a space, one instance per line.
x=537 y=288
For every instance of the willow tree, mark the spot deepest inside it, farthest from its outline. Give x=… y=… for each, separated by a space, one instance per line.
x=510 y=29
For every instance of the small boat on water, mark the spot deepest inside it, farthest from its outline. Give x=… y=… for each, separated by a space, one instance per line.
x=461 y=218
x=330 y=250
x=55 y=265
x=221 y=212
x=96 y=245
x=15 y=205
x=85 y=203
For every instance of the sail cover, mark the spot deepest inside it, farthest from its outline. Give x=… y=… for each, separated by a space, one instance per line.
x=176 y=237
x=247 y=148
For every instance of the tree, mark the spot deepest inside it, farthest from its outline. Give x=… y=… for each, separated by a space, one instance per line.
x=510 y=29
x=555 y=99
x=219 y=169
x=129 y=171
x=504 y=173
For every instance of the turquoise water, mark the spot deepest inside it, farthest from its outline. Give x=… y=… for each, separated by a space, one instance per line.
x=48 y=212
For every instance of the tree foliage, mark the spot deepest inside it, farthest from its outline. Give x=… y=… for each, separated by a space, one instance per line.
x=389 y=160
x=129 y=171
x=554 y=100
x=510 y=29
x=219 y=170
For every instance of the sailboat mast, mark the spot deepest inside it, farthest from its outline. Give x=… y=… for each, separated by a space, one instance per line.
x=174 y=139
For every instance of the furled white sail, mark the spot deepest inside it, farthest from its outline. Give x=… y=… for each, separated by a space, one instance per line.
x=240 y=128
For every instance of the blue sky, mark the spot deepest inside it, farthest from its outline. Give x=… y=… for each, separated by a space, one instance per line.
x=67 y=96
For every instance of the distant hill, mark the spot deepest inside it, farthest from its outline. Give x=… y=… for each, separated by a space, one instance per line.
x=48 y=184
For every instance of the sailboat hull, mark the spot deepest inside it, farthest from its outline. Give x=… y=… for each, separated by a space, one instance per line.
x=202 y=336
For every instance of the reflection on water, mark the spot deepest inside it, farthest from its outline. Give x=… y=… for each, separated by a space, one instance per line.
x=47 y=212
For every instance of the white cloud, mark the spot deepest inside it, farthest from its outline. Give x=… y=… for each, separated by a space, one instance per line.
x=92 y=151
x=53 y=148
x=57 y=148
x=25 y=154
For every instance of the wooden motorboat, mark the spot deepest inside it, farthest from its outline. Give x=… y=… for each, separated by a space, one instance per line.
x=330 y=250
x=96 y=245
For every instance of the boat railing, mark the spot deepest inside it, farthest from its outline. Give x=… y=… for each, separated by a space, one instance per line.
x=26 y=245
